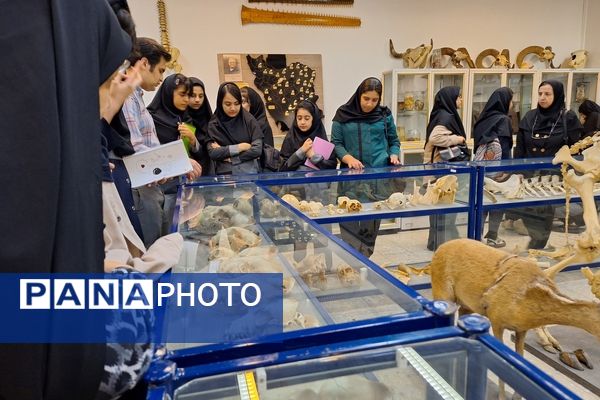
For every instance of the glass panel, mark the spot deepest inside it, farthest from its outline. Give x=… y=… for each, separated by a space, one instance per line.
x=387 y=90
x=584 y=87
x=483 y=87
x=413 y=106
x=452 y=369
x=238 y=228
x=562 y=77
x=522 y=87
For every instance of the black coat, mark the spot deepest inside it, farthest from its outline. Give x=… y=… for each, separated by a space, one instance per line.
x=55 y=56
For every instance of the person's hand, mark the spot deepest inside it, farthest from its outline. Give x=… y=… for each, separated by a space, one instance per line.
x=111 y=166
x=310 y=153
x=196 y=170
x=119 y=88
x=353 y=163
x=244 y=146
x=307 y=145
x=185 y=131
x=462 y=139
x=394 y=160
x=214 y=145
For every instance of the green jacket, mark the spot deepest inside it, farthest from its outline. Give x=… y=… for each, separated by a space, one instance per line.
x=372 y=146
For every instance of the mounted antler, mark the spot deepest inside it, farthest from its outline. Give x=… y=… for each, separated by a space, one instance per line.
x=413 y=58
x=458 y=56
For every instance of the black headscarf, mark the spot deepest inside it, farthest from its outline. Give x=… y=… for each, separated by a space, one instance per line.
x=295 y=137
x=258 y=111
x=494 y=113
x=352 y=111
x=591 y=111
x=545 y=118
x=201 y=116
x=227 y=130
x=54 y=225
x=444 y=112
x=164 y=113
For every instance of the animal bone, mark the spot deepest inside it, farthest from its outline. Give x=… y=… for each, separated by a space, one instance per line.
x=239 y=238
x=543 y=53
x=354 y=206
x=593 y=280
x=291 y=199
x=343 y=201
x=537 y=185
x=309 y=2
x=257 y=16
x=512 y=188
x=578 y=59
x=514 y=293
x=413 y=58
x=458 y=56
x=348 y=276
x=397 y=200
x=501 y=59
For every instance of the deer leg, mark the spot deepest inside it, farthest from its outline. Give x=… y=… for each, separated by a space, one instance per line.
x=547 y=341
x=499 y=334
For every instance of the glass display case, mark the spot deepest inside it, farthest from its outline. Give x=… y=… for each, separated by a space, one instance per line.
x=477 y=86
x=409 y=94
x=528 y=195
x=483 y=84
x=584 y=86
x=405 y=201
x=243 y=228
x=461 y=362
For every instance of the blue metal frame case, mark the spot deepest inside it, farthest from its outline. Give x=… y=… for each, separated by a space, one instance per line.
x=166 y=376
x=431 y=314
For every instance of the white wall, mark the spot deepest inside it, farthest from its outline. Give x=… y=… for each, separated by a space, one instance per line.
x=203 y=28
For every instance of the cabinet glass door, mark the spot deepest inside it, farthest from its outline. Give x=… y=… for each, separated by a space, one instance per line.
x=522 y=87
x=413 y=107
x=562 y=77
x=484 y=85
x=584 y=87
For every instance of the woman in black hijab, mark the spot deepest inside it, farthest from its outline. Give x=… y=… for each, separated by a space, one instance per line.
x=200 y=111
x=542 y=132
x=493 y=141
x=297 y=145
x=445 y=129
x=235 y=138
x=168 y=109
x=589 y=115
x=55 y=224
x=256 y=107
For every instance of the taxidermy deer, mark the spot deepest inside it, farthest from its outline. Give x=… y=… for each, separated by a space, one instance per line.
x=513 y=292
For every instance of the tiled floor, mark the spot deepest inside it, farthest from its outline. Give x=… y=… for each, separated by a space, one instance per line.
x=409 y=247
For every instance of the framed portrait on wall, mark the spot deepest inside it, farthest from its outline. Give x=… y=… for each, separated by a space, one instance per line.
x=282 y=80
x=231 y=68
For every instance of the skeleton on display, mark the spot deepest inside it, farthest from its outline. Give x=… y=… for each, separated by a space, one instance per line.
x=442 y=191
x=499 y=59
x=517 y=187
x=587 y=247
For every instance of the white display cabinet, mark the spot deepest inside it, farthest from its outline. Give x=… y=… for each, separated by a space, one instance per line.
x=410 y=94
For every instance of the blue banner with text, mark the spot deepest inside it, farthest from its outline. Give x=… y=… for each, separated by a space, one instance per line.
x=129 y=307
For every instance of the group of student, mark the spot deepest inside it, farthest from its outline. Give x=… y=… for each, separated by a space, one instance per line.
x=542 y=132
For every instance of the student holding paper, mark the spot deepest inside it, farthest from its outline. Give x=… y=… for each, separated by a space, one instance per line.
x=364 y=135
x=298 y=146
